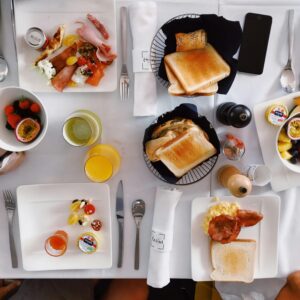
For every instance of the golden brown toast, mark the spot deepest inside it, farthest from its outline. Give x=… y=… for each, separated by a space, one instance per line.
x=191 y=41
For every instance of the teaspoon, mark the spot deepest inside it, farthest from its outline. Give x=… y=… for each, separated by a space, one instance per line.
x=3 y=68
x=287 y=79
x=138 y=211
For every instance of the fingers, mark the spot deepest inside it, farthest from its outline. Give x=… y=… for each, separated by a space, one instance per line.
x=5 y=290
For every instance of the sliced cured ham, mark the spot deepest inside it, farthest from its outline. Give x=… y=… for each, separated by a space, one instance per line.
x=99 y=26
x=59 y=61
x=61 y=80
x=88 y=34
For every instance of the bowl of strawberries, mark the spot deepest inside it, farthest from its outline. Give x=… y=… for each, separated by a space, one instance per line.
x=23 y=119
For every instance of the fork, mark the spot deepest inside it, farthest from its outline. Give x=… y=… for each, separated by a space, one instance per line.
x=10 y=205
x=124 y=79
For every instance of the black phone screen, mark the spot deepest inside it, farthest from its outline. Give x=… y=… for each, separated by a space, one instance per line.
x=254 y=45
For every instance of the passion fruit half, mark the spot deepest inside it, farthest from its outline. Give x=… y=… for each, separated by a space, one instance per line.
x=293 y=129
x=27 y=130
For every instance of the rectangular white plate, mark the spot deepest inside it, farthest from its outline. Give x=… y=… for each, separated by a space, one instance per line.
x=43 y=209
x=265 y=233
x=48 y=15
x=282 y=177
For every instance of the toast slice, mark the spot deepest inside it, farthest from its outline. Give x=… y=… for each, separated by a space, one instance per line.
x=176 y=88
x=234 y=261
x=186 y=151
x=191 y=40
x=197 y=69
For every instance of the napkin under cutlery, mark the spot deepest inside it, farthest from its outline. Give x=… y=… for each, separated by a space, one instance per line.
x=143 y=23
x=162 y=236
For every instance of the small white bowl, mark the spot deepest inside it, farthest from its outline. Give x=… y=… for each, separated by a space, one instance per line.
x=8 y=140
x=286 y=163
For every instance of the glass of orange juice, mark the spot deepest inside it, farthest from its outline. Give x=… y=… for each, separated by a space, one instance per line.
x=102 y=162
x=56 y=244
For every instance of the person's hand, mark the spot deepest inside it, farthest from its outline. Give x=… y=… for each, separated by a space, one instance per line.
x=6 y=289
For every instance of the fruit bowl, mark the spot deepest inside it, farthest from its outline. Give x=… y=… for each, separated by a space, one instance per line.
x=8 y=139
x=288 y=150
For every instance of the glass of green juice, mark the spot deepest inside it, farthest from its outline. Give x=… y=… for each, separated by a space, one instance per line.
x=82 y=128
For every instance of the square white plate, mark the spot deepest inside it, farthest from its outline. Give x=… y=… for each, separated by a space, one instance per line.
x=45 y=208
x=265 y=233
x=48 y=15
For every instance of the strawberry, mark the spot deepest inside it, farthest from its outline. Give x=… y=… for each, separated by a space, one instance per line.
x=13 y=120
x=8 y=110
x=35 y=108
x=24 y=104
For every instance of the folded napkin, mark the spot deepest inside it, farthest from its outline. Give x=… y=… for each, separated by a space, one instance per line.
x=143 y=23
x=162 y=237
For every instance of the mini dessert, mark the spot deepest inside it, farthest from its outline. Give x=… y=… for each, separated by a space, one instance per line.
x=23 y=117
x=56 y=245
x=276 y=114
x=87 y=243
x=96 y=225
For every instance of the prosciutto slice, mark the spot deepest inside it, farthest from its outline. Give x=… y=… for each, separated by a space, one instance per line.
x=61 y=80
x=99 y=26
x=103 y=50
x=59 y=61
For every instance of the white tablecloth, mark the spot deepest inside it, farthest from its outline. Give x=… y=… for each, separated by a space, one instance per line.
x=54 y=161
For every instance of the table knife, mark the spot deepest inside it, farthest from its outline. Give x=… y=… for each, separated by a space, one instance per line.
x=120 y=218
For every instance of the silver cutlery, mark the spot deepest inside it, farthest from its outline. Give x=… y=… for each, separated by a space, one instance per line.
x=10 y=205
x=138 y=211
x=124 y=79
x=287 y=78
x=120 y=218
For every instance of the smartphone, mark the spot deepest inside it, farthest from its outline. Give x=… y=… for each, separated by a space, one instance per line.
x=254 y=44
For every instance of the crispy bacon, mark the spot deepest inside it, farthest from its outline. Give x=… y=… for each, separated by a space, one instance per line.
x=248 y=217
x=99 y=26
x=61 y=80
x=224 y=229
x=59 y=61
x=103 y=50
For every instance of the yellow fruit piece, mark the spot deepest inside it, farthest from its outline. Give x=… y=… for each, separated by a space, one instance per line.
x=75 y=206
x=286 y=155
x=73 y=219
x=71 y=60
x=70 y=40
x=297 y=100
x=284 y=146
x=72 y=84
x=283 y=137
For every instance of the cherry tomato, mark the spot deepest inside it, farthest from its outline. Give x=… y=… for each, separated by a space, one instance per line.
x=89 y=209
x=81 y=61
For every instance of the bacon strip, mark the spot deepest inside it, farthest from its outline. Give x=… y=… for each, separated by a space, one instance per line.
x=61 y=80
x=99 y=26
x=59 y=61
x=248 y=217
x=103 y=52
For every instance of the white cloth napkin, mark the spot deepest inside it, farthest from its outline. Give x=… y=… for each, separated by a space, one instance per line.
x=143 y=23
x=162 y=236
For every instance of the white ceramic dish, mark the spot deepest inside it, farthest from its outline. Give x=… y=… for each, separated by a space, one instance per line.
x=265 y=233
x=286 y=163
x=48 y=15
x=282 y=177
x=43 y=209
x=8 y=140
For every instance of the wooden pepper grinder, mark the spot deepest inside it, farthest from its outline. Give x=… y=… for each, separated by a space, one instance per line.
x=231 y=178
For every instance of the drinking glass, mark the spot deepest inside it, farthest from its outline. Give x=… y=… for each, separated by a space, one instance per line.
x=82 y=128
x=102 y=162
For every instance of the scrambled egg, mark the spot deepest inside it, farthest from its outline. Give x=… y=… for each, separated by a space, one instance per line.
x=221 y=208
